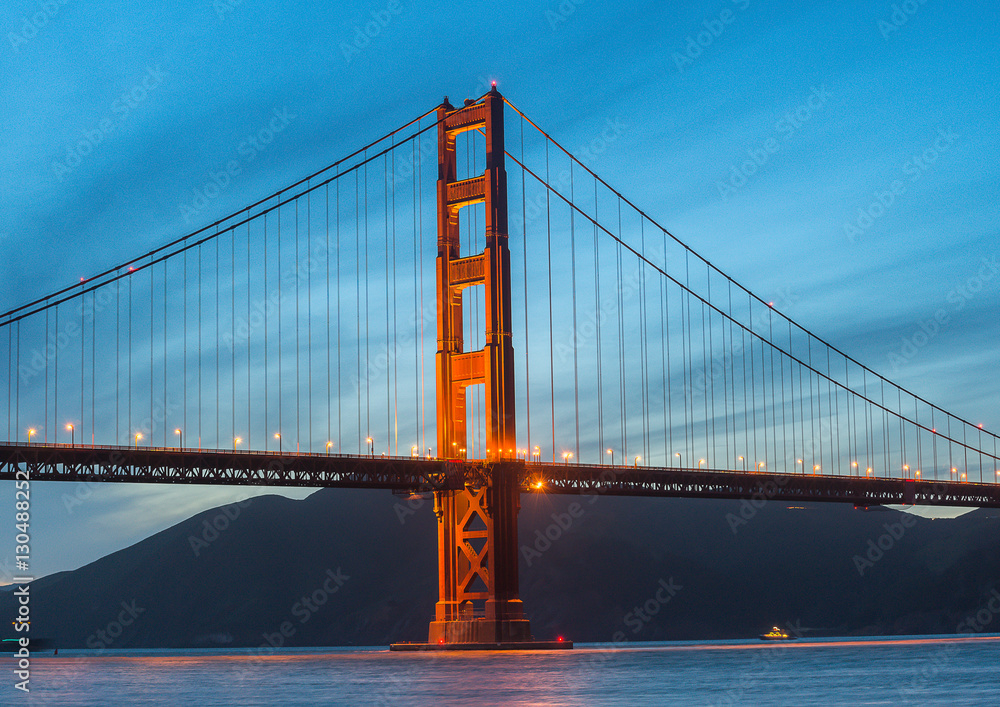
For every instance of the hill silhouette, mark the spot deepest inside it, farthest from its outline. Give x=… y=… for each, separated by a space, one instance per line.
x=359 y=568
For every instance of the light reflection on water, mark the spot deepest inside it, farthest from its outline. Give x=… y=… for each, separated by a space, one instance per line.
x=918 y=670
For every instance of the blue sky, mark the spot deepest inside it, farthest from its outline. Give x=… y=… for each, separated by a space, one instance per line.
x=755 y=132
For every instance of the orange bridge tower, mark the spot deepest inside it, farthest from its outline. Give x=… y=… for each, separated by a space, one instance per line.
x=477 y=527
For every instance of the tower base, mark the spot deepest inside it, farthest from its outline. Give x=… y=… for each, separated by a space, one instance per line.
x=479 y=631
x=481 y=635
x=514 y=646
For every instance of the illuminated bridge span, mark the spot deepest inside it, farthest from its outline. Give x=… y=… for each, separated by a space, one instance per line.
x=563 y=342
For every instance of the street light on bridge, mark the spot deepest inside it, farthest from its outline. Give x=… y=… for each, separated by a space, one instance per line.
x=680 y=459
x=906 y=470
x=538 y=453
x=854 y=465
x=277 y=436
x=636 y=461
x=700 y=462
x=371 y=445
x=72 y=434
x=566 y=456
x=744 y=460
x=816 y=468
x=328 y=445
x=759 y=465
x=138 y=436
x=414 y=451
x=31 y=431
x=180 y=438
x=612 y=453
x=237 y=441
x=800 y=462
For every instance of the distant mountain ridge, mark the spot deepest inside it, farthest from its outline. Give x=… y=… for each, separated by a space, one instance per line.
x=359 y=568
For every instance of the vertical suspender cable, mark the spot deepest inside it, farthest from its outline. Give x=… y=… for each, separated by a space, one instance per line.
x=420 y=239
x=249 y=345
x=417 y=343
x=340 y=336
x=392 y=343
x=357 y=288
x=623 y=397
x=388 y=339
x=184 y=377
x=646 y=352
x=329 y=373
x=309 y=320
x=368 y=378
x=524 y=293
x=267 y=369
x=576 y=334
x=548 y=243
x=298 y=330
x=55 y=393
x=280 y=388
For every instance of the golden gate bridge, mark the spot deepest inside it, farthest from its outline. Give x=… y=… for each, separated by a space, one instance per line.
x=580 y=348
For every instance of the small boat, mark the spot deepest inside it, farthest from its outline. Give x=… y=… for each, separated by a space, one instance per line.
x=776 y=634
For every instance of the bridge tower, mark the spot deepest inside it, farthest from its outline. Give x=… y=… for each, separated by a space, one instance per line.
x=477 y=527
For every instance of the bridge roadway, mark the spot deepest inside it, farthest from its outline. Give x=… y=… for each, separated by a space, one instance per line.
x=171 y=465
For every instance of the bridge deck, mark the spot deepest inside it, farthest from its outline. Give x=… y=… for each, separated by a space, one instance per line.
x=169 y=465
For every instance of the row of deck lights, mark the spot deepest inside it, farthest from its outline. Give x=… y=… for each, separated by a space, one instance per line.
x=535 y=455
